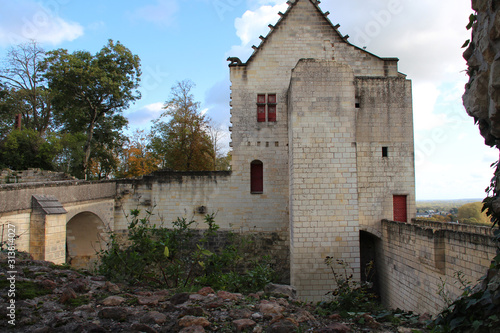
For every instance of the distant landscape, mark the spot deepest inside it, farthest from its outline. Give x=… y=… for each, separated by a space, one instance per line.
x=466 y=211
x=443 y=205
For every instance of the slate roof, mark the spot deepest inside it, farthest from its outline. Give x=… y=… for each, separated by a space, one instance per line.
x=49 y=204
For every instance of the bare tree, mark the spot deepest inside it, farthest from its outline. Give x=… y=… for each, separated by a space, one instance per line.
x=23 y=78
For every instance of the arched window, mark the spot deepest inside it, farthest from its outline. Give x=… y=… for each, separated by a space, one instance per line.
x=256 y=177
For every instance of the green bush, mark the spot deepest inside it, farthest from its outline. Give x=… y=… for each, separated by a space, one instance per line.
x=180 y=258
x=348 y=295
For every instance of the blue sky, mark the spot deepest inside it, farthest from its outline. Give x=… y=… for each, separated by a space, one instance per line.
x=179 y=39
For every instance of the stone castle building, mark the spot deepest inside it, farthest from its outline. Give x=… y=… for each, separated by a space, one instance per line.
x=323 y=137
x=323 y=152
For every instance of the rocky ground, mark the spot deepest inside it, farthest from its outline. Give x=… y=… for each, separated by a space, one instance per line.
x=51 y=298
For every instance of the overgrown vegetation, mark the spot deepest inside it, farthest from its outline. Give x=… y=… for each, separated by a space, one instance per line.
x=349 y=295
x=182 y=258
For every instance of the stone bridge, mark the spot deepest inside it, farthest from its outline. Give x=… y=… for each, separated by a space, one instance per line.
x=62 y=221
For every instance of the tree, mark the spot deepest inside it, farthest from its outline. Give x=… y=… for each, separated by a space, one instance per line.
x=23 y=149
x=182 y=143
x=216 y=133
x=138 y=158
x=91 y=92
x=471 y=213
x=28 y=91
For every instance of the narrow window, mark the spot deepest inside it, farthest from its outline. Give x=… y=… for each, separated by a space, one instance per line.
x=385 y=151
x=357 y=104
x=261 y=108
x=271 y=107
x=399 y=208
x=256 y=177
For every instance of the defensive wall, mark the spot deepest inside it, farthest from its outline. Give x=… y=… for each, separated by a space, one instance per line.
x=66 y=221
x=415 y=259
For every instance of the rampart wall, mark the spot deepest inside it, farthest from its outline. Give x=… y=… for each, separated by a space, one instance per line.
x=415 y=259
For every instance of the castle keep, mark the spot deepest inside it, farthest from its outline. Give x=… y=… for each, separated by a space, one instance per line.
x=323 y=136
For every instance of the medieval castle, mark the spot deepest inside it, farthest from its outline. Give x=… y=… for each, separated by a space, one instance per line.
x=323 y=165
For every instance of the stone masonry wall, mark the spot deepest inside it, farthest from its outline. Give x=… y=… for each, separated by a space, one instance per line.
x=384 y=119
x=323 y=179
x=416 y=258
x=8 y=176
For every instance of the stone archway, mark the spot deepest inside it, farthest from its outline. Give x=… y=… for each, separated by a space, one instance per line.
x=84 y=236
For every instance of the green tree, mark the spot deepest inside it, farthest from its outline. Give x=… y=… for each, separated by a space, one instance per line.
x=182 y=142
x=22 y=75
x=91 y=92
x=471 y=213
x=23 y=149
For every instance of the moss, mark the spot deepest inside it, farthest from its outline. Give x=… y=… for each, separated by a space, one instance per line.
x=25 y=289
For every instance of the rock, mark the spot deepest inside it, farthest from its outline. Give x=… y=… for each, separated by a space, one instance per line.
x=115 y=313
x=335 y=328
x=79 y=285
x=281 y=290
x=48 y=284
x=179 y=298
x=113 y=301
x=196 y=297
x=243 y=324
x=257 y=316
x=369 y=321
x=68 y=293
x=148 y=301
x=303 y=316
x=193 y=321
x=154 y=317
x=270 y=309
x=227 y=295
x=193 y=329
x=196 y=311
x=240 y=313
x=142 y=328
x=206 y=291
x=283 y=326
x=112 y=288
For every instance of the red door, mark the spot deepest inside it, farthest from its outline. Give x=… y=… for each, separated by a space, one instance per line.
x=399 y=206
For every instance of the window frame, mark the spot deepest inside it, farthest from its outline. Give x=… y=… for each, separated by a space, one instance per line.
x=267 y=107
x=256 y=177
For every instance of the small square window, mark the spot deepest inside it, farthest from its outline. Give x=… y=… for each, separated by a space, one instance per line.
x=385 y=151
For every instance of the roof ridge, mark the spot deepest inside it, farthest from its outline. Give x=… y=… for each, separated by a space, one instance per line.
x=291 y=4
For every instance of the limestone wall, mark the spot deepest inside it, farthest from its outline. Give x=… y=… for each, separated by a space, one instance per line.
x=384 y=119
x=323 y=179
x=415 y=259
x=15 y=197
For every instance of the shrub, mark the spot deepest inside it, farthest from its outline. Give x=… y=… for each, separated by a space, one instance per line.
x=180 y=257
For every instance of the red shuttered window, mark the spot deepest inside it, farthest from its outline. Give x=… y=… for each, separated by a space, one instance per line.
x=399 y=207
x=266 y=107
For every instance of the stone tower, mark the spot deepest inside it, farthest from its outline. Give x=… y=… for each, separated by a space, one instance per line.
x=323 y=137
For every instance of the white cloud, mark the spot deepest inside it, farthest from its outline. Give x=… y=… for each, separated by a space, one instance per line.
x=145 y=114
x=25 y=20
x=253 y=24
x=161 y=13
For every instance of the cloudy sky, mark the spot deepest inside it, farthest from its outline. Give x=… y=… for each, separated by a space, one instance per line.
x=179 y=39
